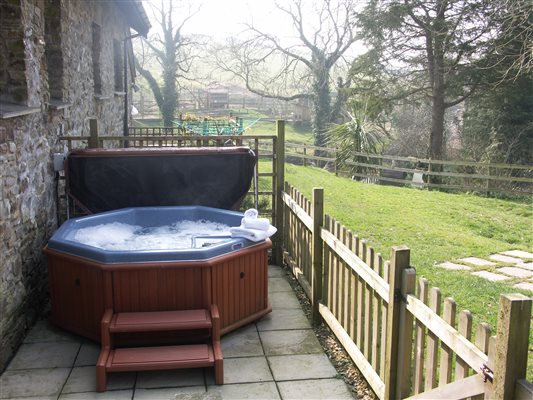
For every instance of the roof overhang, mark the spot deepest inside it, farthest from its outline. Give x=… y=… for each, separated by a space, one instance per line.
x=135 y=15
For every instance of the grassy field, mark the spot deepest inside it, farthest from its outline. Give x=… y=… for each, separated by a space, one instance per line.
x=294 y=134
x=436 y=227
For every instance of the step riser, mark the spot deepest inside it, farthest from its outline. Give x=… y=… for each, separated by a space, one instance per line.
x=160 y=357
x=158 y=328
x=162 y=366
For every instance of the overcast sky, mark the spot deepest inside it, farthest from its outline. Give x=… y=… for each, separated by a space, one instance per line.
x=223 y=18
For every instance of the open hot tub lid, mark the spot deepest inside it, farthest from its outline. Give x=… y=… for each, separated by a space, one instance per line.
x=107 y=179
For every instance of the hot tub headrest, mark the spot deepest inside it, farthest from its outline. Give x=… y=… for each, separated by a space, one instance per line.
x=107 y=179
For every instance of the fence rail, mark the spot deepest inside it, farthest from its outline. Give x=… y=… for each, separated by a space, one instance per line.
x=403 y=338
x=421 y=172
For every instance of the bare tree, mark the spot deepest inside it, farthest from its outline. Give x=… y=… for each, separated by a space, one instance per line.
x=284 y=69
x=174 y=53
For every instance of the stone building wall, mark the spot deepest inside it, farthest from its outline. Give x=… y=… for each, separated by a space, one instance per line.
x=27 y=180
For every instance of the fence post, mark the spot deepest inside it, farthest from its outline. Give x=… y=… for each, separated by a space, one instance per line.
x=279 y=156
x=512 y=339
x=93 y=141
x=405 y=337
x=399 y=262
x=317 y=252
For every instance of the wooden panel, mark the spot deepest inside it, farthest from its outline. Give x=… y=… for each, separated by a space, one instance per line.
x=420 y=340
x=373 y=260
x=460 y=345
x=355 y=354
x=446 y=355
x=76 y=295
x=465 y=329
x=163 y=357
x=367 y=330
x=159 y=290
x=462 y=389
x=357 y=264
x=298 y=210
x=239 y=287
x=160 y=320
x=433 y=341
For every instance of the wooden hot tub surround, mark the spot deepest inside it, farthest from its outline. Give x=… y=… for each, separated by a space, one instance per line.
x=81 y=289
x=183 y=297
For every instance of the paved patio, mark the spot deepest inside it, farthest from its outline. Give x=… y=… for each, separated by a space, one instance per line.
x=278 y=357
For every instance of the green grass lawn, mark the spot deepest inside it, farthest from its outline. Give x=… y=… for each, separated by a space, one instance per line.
x=436 y=226
x=294 y=134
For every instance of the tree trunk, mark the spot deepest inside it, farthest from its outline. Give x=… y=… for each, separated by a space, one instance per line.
x=322 y=106
x=438 y=107
x=436 y=136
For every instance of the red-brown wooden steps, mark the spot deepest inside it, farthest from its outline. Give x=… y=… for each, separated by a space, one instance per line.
x=159 y=357
x=160 y=321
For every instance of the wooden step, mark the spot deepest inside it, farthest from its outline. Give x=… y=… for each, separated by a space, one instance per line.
x=160 y=321
x=161 y=357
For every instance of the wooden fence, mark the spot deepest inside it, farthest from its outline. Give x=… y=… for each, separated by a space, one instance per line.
x=420 y=172
x=396 y=329
x=270 y=167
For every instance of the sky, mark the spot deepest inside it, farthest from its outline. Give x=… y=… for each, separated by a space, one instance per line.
x=223 y=18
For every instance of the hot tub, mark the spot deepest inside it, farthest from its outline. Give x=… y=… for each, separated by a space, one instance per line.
x=85 y=280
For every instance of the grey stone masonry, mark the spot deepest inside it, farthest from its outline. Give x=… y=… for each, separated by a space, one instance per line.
x=32 y=77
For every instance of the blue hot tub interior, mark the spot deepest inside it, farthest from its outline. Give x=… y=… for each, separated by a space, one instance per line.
x=148 y=217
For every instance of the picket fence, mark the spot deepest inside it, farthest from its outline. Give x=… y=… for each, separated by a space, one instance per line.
x=405 y=340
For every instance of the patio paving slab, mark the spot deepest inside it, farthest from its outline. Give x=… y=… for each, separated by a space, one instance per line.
x=505 y=259
x=243 y=370
x=479 y=262
x=83 y=379
x=278 y=343
x=174 y=378
x=528 y=266
x=278 y=285
x=109 y=395
x=325 y=389
x=43 y=331
x=283 y=319
x=252 y=391
x=453 y=266
x=88 y=354
x=181 y=393
x=45 y=355
x=275 y=272
x=280 y=300
x=281 y=342
x=491 y=276
x=516 y=272
x=32 y=382
x=242 y=343
x=524 y=286
x=301 y=366
x=518 y=253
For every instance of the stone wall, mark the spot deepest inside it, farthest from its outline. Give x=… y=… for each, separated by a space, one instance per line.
x=27 y=180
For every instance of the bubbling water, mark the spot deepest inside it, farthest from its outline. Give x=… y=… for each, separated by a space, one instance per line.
x=176 y=236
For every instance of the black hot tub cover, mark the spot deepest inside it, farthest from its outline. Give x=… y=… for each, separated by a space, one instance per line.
x=107 y=179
